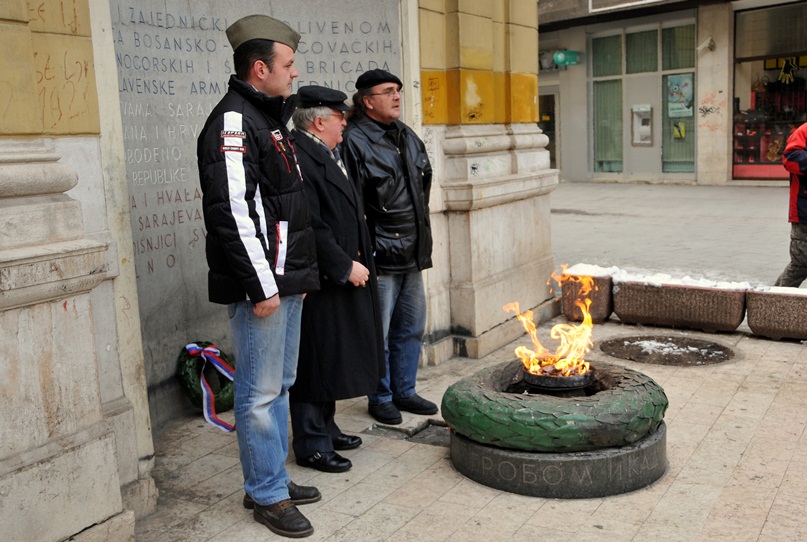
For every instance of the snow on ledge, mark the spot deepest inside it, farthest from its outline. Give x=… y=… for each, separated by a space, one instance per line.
x=782 y=290
x=588 y=270
x=659 y=279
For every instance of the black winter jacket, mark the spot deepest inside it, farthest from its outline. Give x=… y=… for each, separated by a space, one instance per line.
x=259 y=237
x=396 y=185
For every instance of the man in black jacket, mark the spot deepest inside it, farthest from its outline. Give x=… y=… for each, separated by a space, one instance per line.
x=262 y=258
x=389 y=163
x=342 y=346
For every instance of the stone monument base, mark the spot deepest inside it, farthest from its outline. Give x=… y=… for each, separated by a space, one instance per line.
x=572 y=475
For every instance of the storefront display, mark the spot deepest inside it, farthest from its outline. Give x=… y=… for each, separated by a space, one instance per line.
x=760 y=131
x=770 y=96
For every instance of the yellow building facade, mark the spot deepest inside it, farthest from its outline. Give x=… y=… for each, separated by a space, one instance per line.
x=478 y=61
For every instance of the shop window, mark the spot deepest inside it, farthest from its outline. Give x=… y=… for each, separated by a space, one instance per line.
x=676 y=79
x=678 y=124
x=608 y=126
x=678 y=47
x=770 y=87
x=641 y=52
x=768 y=105
x=606 y=56
x=770 y=32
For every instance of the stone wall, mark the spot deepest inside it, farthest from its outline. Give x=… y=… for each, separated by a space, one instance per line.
x=75 y=441
x=173 y=62
x=478 y=68
x=479 y=81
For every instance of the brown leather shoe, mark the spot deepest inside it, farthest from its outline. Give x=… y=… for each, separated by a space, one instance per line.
x=298 y=495
x=283 y=518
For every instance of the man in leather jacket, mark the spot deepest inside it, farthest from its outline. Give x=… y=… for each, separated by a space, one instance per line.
x=388 y=161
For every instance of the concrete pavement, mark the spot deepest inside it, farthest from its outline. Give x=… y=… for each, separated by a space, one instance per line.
x=736 y=444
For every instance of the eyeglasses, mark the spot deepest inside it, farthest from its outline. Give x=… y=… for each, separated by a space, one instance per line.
x=388 y=93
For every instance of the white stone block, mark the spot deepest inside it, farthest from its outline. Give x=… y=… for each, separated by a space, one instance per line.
x=60 y=488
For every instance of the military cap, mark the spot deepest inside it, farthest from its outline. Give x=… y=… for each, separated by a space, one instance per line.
x=263 y=27
x=316 y=96
x=376 y=77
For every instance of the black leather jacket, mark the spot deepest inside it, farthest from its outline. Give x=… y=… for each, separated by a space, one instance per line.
x=395 y=181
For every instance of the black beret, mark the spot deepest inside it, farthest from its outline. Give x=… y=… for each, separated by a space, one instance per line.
x=376 y=77
x=317 y=96
x=254 y=27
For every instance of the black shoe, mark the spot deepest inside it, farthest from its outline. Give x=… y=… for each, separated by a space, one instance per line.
x=326 y=462
x=416 y=405
x=385 y=413
x=303 y=494
x=284 y=519
x=346 y=442
x=298 y=495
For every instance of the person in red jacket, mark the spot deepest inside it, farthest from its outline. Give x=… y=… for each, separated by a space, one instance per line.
x=795 y=161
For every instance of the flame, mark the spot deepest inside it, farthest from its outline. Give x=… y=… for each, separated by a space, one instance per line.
x=575 y=340
x=586 y=283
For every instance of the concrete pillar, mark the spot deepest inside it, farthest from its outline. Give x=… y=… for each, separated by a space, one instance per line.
x=480 y=105
x=714 y=92
x=70 y=460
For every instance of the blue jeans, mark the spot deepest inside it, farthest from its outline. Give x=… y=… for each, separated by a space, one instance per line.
x=403 y=318
x=265 y=368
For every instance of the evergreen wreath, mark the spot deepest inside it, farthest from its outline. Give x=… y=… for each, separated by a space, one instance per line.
x=189 y=372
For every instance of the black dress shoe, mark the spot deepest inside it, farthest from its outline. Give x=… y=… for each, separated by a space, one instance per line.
x=346 y=442
x=385 y=413
x=284 y=519
x=416 y=405
x=298 y=495
x=326 y=462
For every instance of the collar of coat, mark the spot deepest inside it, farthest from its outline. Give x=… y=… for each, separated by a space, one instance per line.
x=301 y=136
x=314 y=137
x=270 y=105
x=373 y=130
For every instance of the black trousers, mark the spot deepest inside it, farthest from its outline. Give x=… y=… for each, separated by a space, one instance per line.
x=313 y=427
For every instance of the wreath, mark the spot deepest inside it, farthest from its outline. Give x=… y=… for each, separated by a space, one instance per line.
x=629 y=406
x=205 y=370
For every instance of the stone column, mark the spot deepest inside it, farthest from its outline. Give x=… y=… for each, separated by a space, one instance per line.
x=58 y=467
x=714 y=93
x=70 y=461
x=480 y=102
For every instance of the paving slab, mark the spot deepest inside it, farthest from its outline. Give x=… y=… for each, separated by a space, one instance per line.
x=736 y=443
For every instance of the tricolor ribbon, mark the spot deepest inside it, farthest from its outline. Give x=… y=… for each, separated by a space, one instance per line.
x=213 y=355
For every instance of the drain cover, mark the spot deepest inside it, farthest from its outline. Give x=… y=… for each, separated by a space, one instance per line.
x=666 y=350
